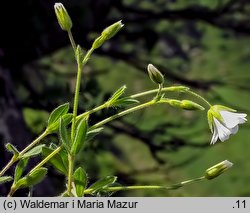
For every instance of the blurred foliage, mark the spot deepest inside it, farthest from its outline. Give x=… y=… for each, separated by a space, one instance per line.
x=159 y=145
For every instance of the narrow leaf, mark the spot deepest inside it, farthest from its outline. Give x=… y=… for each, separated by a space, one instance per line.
x=92 y=133
x=103 y=183
x=116 y=95
x=80 y=136
x=80 y=180
x=5 y=179
x=33 y=152
x=12 y=149
x=59 y=161
x=20 y=168
x=124 y=102
x=63 y=133
x=57 y=113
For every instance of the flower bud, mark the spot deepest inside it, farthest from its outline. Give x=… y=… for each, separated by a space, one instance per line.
x=98 y=42
x=63 y=17
x=190 y=105
x=175 y=103
x=155 y=75
x=217 y=169
x=107 y=33
x=110 y=31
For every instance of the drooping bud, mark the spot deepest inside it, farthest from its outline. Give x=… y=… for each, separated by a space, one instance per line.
x=155 y=75
x=63 y=17
x=107 y=33
x=218 y=169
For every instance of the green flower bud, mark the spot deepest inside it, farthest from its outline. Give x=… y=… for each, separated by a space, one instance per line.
x=63 y=17
x=185 y=104
x=174 y=103
x=107 y=33
x=190 y=105
x=110 y=31
x=218 y=169
x=98 y=42
x=155 y=75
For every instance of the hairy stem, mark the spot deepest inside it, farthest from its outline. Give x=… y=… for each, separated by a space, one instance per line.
x=70 y=172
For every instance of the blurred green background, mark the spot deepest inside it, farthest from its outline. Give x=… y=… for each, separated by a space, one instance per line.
x=200 y=44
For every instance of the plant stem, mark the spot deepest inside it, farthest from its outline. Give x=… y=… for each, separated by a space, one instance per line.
x=125 y=112
x=198 y=96
x=45 y=160
x=171 y=187
x=165 y=89
x=9 y=164
x=91 y=111
x=72 y=41
x=11 y=192
x=31 y=145
x=36 y=141
x=158 y=95
x=76 y=100
x=70 y=172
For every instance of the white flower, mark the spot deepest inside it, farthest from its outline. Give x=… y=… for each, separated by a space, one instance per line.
x=223 y=122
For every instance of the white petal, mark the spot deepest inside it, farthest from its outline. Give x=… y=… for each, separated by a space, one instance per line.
x=234 y=130
x=223 y=131
x=232 y=119
x=215 y=136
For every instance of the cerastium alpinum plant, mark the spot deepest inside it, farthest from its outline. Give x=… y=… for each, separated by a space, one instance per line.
x=73 y=130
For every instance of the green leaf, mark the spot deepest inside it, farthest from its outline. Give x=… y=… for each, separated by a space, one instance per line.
x=92 y=133
x=33 y=152
x=124 y=102
x=32 y=178
x=80 y=180
x=56 y=114
x=59 y=161
x=80 y=136
x=116 y=95
x=64 y=136
x=102 y=184
x=20 y=168
x=5 y=179
x=12 y=149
